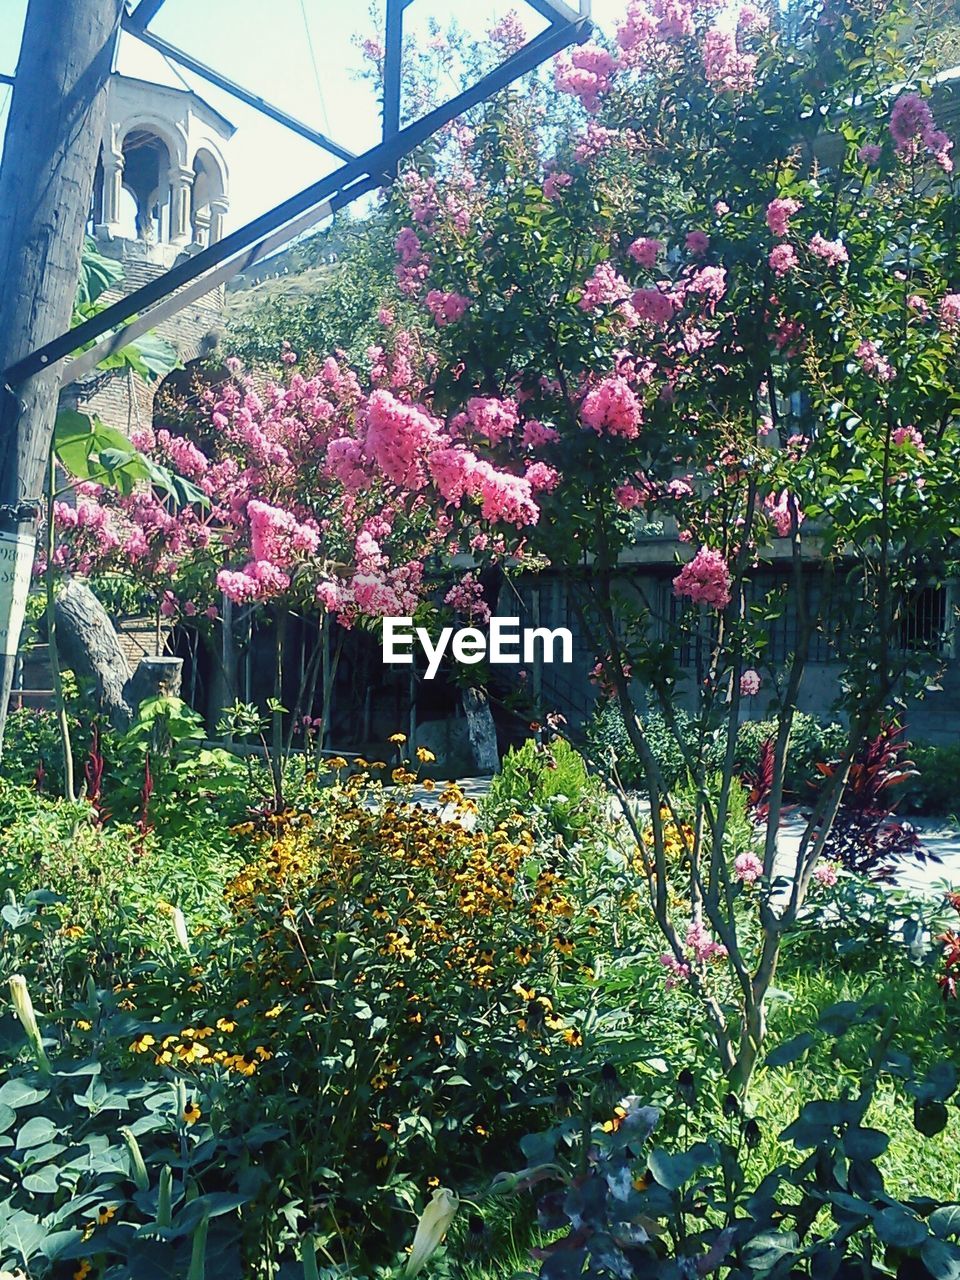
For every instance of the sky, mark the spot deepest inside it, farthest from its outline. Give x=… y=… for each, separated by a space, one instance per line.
x=301 y=56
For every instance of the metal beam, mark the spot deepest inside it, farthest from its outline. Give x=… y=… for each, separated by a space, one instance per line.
x=143 y=14
x=558 y=11
x=392 y=58
x=368 y=166
x=5 y=79
x=201 y=69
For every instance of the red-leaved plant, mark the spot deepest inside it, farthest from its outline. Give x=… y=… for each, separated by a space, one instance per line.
x=866 y=837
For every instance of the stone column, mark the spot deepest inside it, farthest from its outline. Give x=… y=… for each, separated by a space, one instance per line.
x=181 y=182
x=218 y=211
x=112 y=186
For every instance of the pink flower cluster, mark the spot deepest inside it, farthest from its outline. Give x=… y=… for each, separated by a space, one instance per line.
x=397 y=438
x=276 y=535
x=874 y=364
x=779 y=213
x=950 y=310
x=446 y=308
x=750 y=683
x=586 y=74
x=705 y=579
x=493 y=418
x=700 y=949
x=727 y=70
x=907 y=435
x=645 y=251
x=833 y=252
x=747 y=868
x=612 y=408
x=912 y=126
x=554 y=183
x=604 y=286
x=466 y=597
x=783 y=259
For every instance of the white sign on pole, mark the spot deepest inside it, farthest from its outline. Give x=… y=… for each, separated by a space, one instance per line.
x=16 y=564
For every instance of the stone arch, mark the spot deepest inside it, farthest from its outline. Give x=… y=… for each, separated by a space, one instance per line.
x=209 y=195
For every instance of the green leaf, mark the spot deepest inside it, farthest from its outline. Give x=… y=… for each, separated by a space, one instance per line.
x=672 y=1171
x=97 y=274
x=157 y=356
x=36 y=1131
x=43 y=1182
x=865 y=1144
x=21 y=1093
x=945 y=1221
x=90 y=450
x=897 y=1227
x=929 y=1118
x=790 y=1050
x=942 y=1260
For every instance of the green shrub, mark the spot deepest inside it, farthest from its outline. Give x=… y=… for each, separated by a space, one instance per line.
x=936 y=787
x=32 y=740
x=550 y=783
x=606 y=733
x=810 y=744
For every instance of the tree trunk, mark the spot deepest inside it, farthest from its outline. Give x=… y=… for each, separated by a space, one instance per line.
x=90 y=647
x=481 y=730
x=46 y=180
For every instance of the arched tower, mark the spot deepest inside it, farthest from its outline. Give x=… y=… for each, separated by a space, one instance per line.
x=161 y=192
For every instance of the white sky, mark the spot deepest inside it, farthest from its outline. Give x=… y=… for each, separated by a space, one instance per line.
x=263 y=45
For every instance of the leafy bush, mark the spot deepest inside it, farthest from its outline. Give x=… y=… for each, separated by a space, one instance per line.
x=550 y=784
x=935 y=787
x=32 y=749
x=811 y=743
x=618 y=1205
x=607 y=735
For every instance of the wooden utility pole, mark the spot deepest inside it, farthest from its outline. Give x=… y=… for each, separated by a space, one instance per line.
x=46 y=183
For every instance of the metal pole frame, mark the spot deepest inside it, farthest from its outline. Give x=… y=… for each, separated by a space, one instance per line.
x=168 y=293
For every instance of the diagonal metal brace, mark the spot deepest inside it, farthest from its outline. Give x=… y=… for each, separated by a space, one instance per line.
x=250 y=242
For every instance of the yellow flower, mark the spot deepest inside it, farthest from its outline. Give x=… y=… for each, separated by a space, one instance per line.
x=83 y=1025
x=275 y=1012
x=428 y=784
x=226 y=1024
x=104 y=1214
x=336 y=763
x=191 y=1113
x=573 y=1037
x=425 y=755
x=72 y=931
x=398 y=738
x=563 y=944
x=141 y=1043
x=263 y=1054
x=192 y=1052
x=83 y=1270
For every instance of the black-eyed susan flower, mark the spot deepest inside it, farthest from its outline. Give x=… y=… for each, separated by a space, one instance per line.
x=105 y=1214
x=191 y=1112
x=398 y=739
x=226 y=1025
x=83 y=1270
x=142 y=1042
x=425 y=755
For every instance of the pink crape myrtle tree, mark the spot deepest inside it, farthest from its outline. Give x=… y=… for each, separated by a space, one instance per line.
x=338 y=497
x=725 y=305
